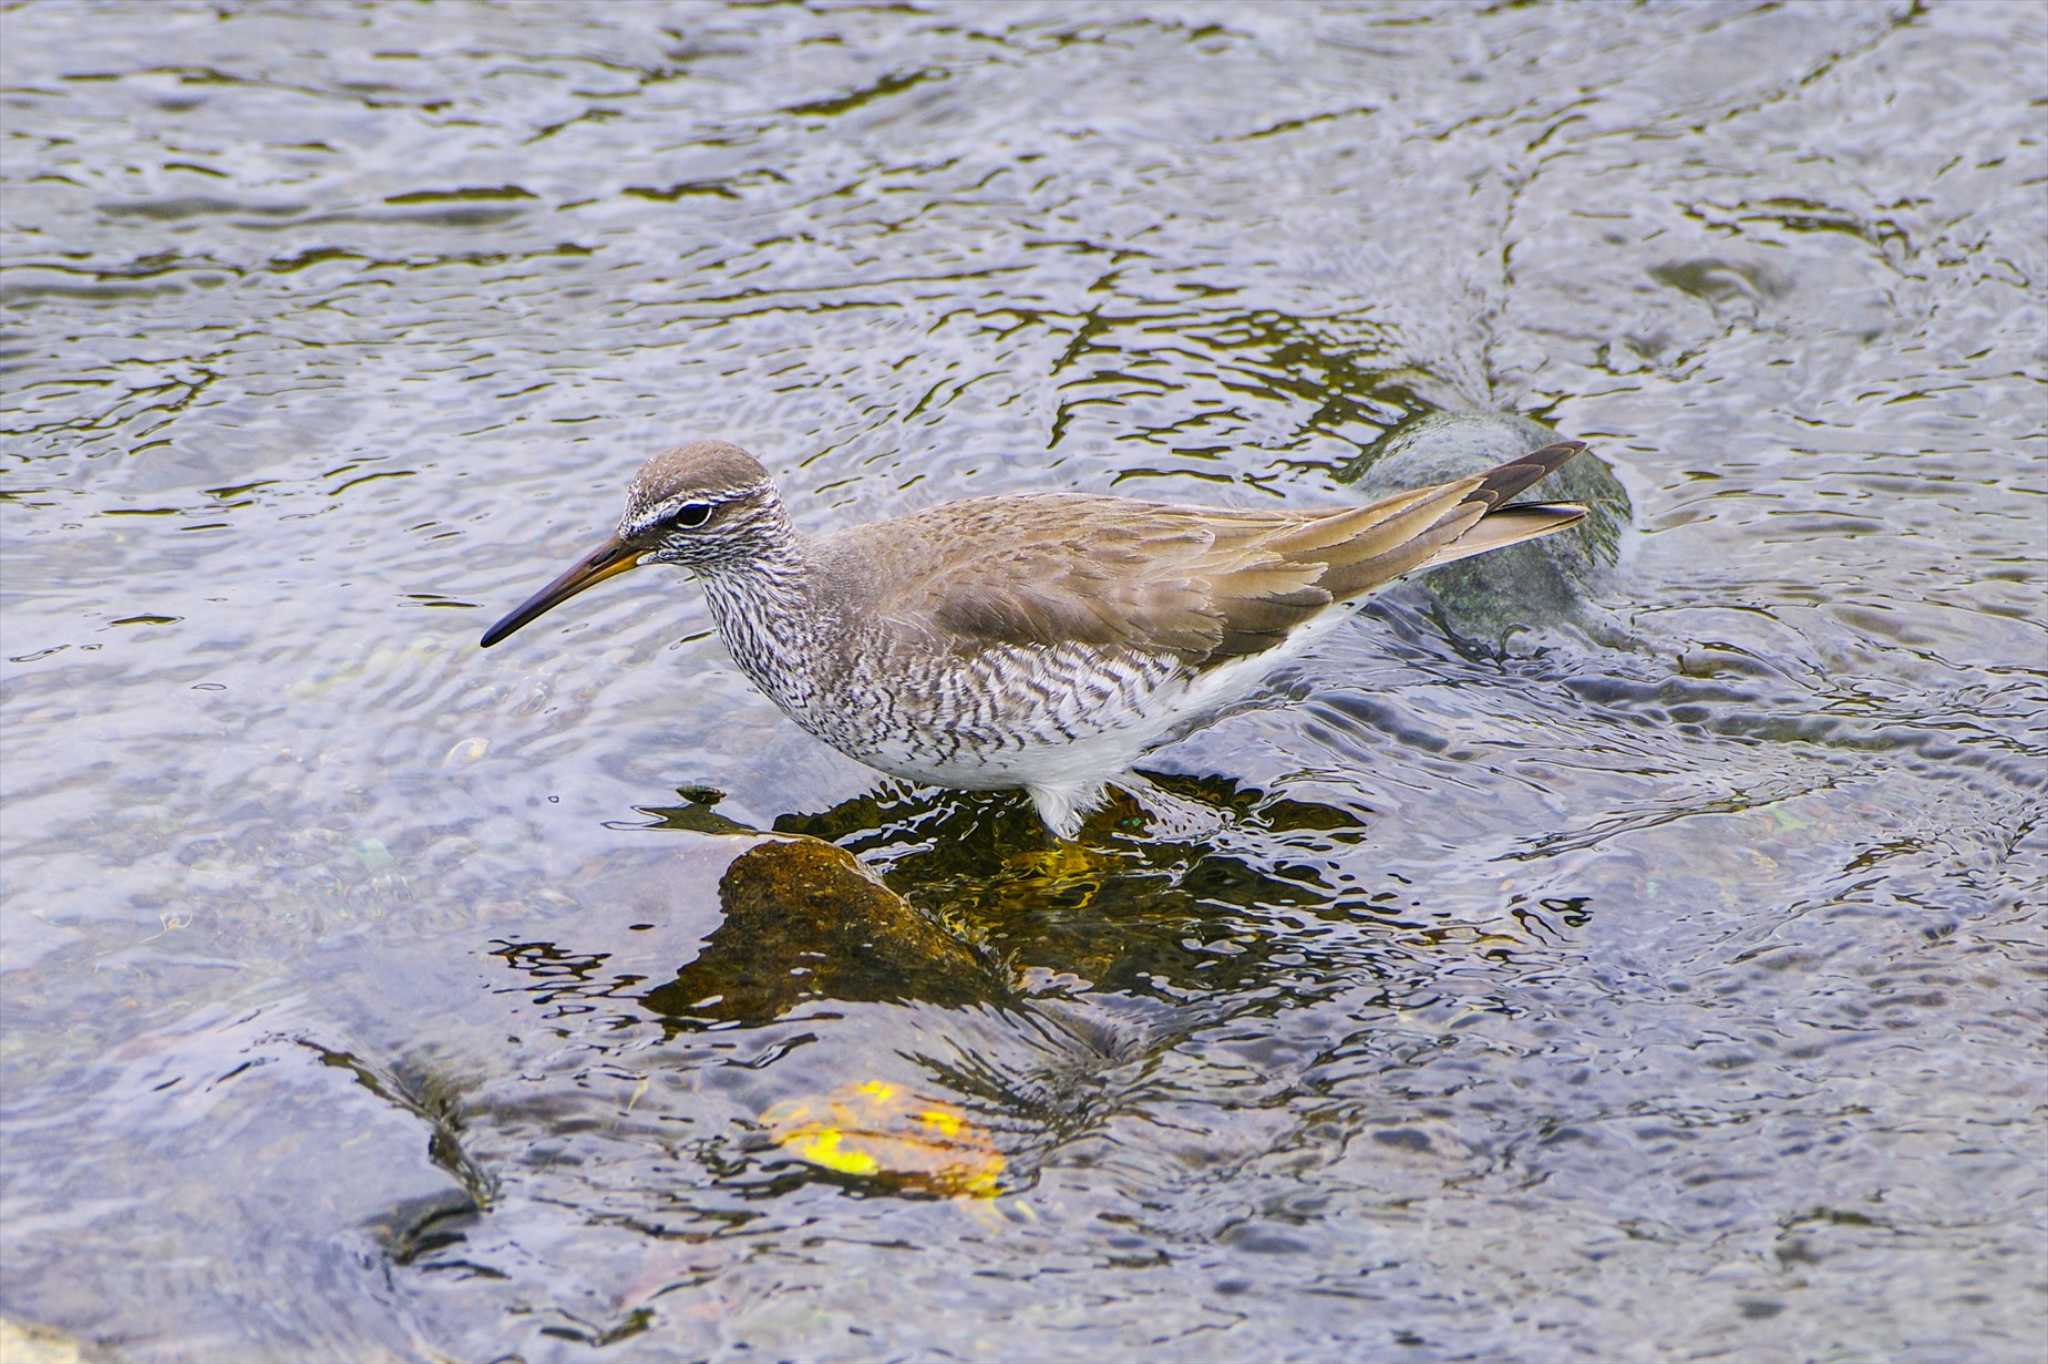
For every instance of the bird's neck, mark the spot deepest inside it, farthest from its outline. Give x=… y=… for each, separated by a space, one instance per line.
x=768 y=612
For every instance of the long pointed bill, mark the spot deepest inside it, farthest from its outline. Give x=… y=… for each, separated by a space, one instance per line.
x=608 y=560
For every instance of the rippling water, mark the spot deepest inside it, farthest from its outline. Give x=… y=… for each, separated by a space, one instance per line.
x=1668 y=985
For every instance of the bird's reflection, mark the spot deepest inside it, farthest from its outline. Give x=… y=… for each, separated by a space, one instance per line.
x=972 y=901
x=1182 y=890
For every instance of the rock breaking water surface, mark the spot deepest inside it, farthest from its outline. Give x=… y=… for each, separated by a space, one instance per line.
x=1665 y=982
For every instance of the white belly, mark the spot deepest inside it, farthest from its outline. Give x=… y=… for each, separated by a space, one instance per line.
x=1064 y=754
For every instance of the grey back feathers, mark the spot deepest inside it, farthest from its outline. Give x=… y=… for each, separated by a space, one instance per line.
x=1204 y=585
x=1201 y=585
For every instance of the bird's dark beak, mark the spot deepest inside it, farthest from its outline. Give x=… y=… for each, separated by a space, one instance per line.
x=608 y=560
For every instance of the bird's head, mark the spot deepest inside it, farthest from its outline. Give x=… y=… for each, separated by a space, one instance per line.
x=706 y=505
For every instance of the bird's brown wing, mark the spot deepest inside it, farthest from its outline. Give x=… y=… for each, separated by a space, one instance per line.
x=1205 y=584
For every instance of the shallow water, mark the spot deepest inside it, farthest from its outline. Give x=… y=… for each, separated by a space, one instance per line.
x=1666 y=985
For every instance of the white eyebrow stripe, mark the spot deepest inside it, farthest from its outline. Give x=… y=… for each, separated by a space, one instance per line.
x=661 y=511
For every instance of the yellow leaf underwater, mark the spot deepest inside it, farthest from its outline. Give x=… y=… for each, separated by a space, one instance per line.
x=886 y=1132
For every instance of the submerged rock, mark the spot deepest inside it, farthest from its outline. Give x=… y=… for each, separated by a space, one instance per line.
x=805 y=920
x=1538 y=583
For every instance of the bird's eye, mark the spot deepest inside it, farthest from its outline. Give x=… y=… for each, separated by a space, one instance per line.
x=693 y=514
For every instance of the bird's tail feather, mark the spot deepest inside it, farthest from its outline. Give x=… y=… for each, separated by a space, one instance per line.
x=1509 y=525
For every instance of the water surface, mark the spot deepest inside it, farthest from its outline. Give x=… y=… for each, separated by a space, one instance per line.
x=1666 y=984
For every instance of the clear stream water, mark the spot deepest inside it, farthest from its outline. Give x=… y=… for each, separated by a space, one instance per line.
x=1666 y=989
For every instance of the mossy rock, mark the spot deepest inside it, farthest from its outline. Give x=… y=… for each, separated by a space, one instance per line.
x=805 y=920
x=1542 y=582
